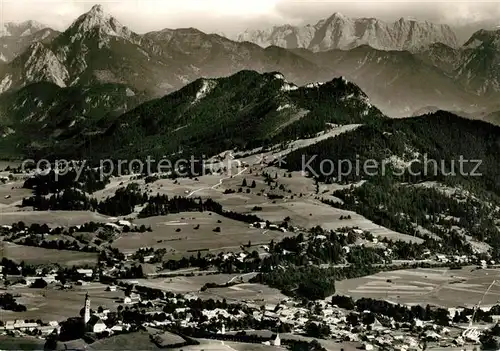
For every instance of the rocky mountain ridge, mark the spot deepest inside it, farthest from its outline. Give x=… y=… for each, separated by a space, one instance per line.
x=341 y=32
x=97 y=49
x=209 y=116
x=21 y=29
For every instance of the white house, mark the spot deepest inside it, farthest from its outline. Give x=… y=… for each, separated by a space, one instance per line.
x=148 y=258
x=133 y=298
x=86 y=272
x=96 y=325
x=22 y=325
x=117 y=328
x=124 y=223
x=113 y=226
x=259 y=225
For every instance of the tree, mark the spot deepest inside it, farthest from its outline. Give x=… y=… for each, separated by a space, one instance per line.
x=253 y=185
x=368 y=318
x=39 y=284
x=352 y=319
x=244 y=183
x=317 y=330
x=72 y=329
x=51 y=341
x=489 y=342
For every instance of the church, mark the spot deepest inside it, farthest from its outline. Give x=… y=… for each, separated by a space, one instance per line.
x=93 y=324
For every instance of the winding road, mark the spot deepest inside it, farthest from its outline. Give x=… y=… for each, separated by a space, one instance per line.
x=216 y=185
x=240 y=276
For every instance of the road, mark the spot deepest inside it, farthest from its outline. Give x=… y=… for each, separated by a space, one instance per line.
x=216 y=185
x=393 y=263
x=227 y=346
x=239 y=276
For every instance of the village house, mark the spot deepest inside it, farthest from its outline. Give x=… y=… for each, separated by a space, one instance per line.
x=85 y=272
x=111 y=288
x=132 y=299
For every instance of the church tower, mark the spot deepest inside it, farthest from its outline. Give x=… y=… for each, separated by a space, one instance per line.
x=86 y=313
x=277 y=341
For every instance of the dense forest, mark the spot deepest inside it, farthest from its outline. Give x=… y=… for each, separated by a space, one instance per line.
x=416 y=163
x=442 y=137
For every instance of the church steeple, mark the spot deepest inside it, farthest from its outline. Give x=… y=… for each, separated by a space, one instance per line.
x=86 y=313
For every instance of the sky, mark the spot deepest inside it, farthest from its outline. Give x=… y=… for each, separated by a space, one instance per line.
x=233 y=16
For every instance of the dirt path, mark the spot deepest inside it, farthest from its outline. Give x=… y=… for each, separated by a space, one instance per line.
x=216 y=185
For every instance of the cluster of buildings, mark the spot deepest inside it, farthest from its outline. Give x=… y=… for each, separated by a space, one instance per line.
x=22 y=327
x=382 y=333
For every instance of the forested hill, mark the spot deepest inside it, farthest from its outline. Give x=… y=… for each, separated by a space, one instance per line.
x=440 y=136
x=451 y=205
x=245 y=110
x=43 y=116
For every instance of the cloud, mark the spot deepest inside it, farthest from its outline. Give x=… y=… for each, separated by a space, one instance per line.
x=231 y=16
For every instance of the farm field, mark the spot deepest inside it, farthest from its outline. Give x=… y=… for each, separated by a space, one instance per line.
x=133 y=341
x=184 y=284
x=38 y=255
x=193 y=284
x=25 y=344
x=166 y=234
x=52 y=218
x=331 y=345
x=12 y=193
x=47 y=303
x=440 y=287
x=308 y=213
x=180 y=187
x=304 y=211
x=258 y=293
x=217 y=345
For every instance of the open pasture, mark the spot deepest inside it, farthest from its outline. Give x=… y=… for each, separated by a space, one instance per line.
x=38 y=255
x=438 y=286
x=25 y=344
x=12 y=193
x=52 y=218
x=192 y=284
x=329 y=344
x=217 y=345
x=177 y=233
x=309 y=213
x=183 y=284
x=258 y=293
x=54 y=304
x=131 y=341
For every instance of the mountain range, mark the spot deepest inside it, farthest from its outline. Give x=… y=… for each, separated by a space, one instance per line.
x=245 y=110
x=99 y=91
x=15 y=39
x=97 y=77
x=341 y=32
x=96 y=48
